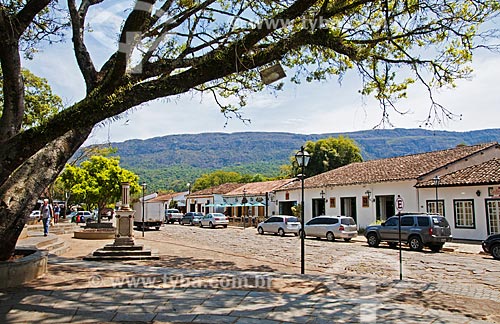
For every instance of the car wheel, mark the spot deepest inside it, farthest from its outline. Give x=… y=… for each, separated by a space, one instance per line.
x=373 y=240
x=393 y=245
x=436 y=247
x=211 y=225
x=157 y=228
x=495 y=251
x=330 y=237
x=415 y=243
x=201 y=225
x=225 y=226
x=301 y=233
x=347 y=240
x=260 y=230
x=191 y=223
x=281 y=232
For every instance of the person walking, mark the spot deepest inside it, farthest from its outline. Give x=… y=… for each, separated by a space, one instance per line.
x=57 y=210
x=46 y=213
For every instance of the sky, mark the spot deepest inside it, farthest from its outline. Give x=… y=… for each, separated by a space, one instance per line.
x=308 y=108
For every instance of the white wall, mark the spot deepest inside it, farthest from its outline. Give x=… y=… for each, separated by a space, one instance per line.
x=449 y=194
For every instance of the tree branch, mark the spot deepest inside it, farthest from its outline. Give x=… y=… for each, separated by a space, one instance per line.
x=26 y=15
x=81 y=53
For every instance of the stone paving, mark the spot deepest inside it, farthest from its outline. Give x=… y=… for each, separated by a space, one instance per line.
x=209 y=296
x=145 y=293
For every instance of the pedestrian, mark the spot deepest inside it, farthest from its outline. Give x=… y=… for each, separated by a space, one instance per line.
x=57 y=211
x=46 y=213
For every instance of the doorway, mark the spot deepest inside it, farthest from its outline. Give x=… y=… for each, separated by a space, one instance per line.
x=318 y=207
x=286 y=207
x=493 y=216
x=385 y=207
x=348 y=207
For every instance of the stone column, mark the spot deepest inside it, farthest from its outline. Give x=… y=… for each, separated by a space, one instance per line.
x=124 y=234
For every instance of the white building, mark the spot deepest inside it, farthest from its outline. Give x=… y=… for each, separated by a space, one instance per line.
x=367 y=191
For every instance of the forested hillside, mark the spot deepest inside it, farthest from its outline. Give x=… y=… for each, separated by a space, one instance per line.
x=172 y=161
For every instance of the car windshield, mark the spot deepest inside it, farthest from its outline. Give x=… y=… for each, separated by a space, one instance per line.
x=218 y=215
x=292 y=219
x=348 y=221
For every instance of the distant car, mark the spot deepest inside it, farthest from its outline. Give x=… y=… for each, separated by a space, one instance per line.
x=331 y=228
x=213 y=220
x=173 y=215
x=191 y=218
x=492 y=245
x=35 y=214
x=81 y=216
x=417 y=230
x=107 y=213
x=279 y=224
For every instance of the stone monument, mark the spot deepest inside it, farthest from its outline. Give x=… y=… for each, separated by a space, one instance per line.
x=124 y=247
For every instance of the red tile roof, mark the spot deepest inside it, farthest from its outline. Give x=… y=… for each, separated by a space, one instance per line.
x=258 y=188
x=482 y=174
x=217 y=190
x=165 y=197
x=391 y=169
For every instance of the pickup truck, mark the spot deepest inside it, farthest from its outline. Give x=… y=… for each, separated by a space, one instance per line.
x=173 y=215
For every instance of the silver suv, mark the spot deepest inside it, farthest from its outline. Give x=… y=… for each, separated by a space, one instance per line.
x=280 y=224
x=417 y=230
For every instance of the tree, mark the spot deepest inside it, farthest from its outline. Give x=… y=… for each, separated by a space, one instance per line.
x=327 y=154
x=40 y=103
x=97 y=182
x=168 y=48
x=214 y=179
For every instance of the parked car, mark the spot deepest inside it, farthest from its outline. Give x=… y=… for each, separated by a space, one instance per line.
x=280 y=224
x=214 y=219
x=331 y=228
x=492 y=245
x=173 y=215
x=82 y=216
x=35 y=214
x=417 y=230
x=191 y=218
x=107 y=213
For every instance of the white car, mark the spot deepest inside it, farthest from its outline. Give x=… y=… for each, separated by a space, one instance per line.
x=214 y=219
x=280 y=224
x=332 y=227
x=35 y=214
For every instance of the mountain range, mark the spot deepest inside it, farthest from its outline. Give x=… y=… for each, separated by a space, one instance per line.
x=172 y=161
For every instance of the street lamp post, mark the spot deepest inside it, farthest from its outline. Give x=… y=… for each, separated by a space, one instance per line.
x=244 y=201
x=302 y=158
x=189 y=193
x=143 y=190
x=436 y=183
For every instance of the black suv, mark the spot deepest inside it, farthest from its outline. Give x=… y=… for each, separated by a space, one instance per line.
x=417 y=230
x=492 y=245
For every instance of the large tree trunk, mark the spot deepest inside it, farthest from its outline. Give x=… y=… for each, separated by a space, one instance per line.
x=18 y=195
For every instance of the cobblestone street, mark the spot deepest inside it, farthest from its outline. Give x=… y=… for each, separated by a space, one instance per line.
x=470 y=274
x=237 y=276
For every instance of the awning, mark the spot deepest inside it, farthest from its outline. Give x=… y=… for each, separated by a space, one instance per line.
x=258 y=204
x=210 y=205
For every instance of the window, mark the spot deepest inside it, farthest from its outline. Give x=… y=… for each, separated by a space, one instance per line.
x=392 y=222
x=407 y=221
x=464 y=213
x=423 y=221
x=348 y=221
x=316 y=221
x=431 y=207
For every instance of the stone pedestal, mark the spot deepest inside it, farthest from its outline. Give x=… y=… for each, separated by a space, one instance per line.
x=124 y=227
x=124 y=247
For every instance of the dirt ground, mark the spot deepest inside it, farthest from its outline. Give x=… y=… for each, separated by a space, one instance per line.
x=192 y=248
